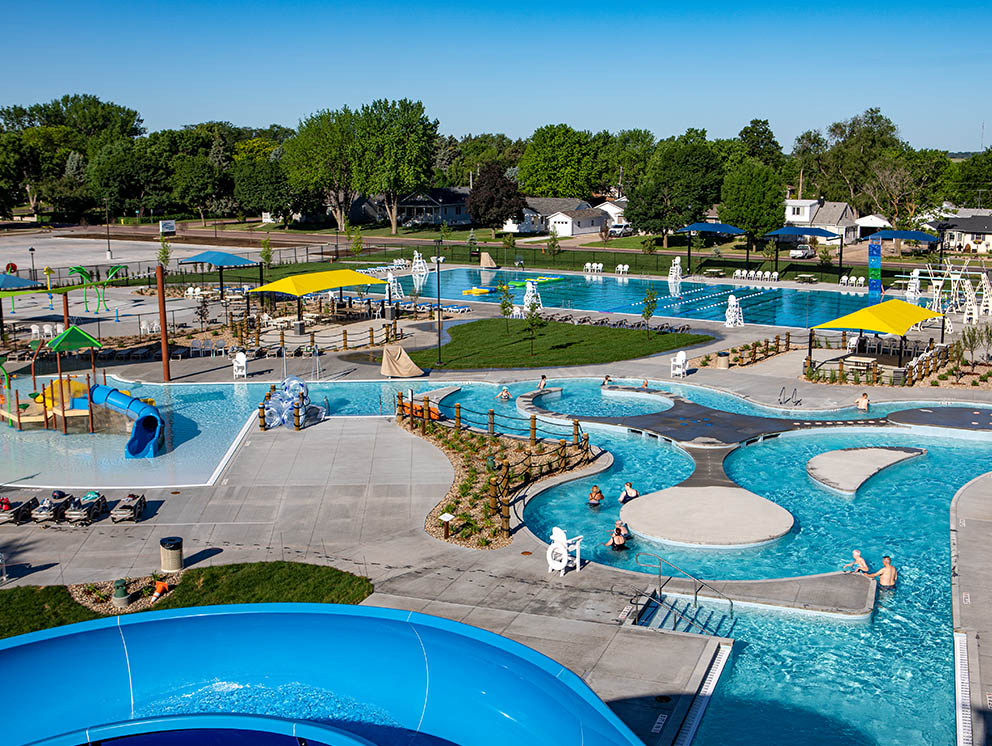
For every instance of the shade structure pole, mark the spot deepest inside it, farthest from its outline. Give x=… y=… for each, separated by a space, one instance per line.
x=776 y=253
x=902 y=342
x=220 y=274
x=65 y=309
x=299 y=308
x=809 y=352
x=747 y=254
x=840 y=257
x=688 y=257
x=163 y=321
x=58 y=362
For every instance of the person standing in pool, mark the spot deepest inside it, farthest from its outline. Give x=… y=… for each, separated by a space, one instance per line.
x=504 y=394
x=629 y=493
x=595 y=496
x=617 y=541
x=543 y=383
x=887 y=576
x=606 y=381
x=621 y=527
x=862 y=403
x=858 y=564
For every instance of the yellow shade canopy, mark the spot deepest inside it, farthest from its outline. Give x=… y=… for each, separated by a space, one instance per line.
x=891 y=317
x=316 y=282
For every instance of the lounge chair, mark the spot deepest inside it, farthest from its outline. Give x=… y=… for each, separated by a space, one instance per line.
x=129 y=509
x=768 y=275
x=52 y=508
x=179 y=353
x=122 y=354
x=861 y=282
x=774 y=276
x=738 y=273
x=19 y=513
x=106 y=354
x=843 y=281
x=86 y=509
x=142 y=353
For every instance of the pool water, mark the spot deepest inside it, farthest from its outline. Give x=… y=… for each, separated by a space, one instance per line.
x=800 y=678
x=762 y=304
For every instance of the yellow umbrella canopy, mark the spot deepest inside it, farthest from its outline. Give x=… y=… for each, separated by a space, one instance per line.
x=891 y=317
x=316 y=282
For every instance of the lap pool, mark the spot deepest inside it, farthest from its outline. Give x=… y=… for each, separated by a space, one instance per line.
x=762 y=303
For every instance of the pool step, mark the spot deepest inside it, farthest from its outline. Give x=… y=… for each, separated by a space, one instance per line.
x=677 y=614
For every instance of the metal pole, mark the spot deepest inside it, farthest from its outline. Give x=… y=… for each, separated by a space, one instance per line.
x=840 y=257
x=65 y=309
x=163 y=321
x=437 y=271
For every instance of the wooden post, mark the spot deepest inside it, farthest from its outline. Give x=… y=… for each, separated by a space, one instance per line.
x=840 y=371
x=399 y=407
x=261 y=416
x=258 y=334
x=58 y=362
x=492 y=422
x=296 y=415
x=65 y=310
x=458 y=416
x=492 y=494
x=163 y=321
x=505 y=518
x=312 y=343
x=44 y=407
x=426 y=413
x=371 y=337
x=533 y=430
x=874 y=373
x=17 y=405
x=575 y=432
x=788 y=341
x=843 y=340
x=778 y=347
x=89 y=401
x=587 y=454
x=282 y=339
x=394 y=329
x=344 y=339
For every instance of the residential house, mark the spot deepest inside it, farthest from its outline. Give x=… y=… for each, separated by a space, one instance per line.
x=614 y=211
x=836 y=217
x=537 y=211
x=712 y=215
x=972 y=233
x=429 y=207
x=578 y=222
x=871 y=224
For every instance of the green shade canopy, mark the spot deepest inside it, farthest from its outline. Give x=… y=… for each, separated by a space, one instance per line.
x=72 y=338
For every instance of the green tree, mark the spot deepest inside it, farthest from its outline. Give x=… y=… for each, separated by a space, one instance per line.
x=261 y=186
x=473 y=152
x=968 y=181
x=808 y=155
x=265 y=254
x=905 y=183
x=682 y=181
x=621 y=158
x=118 y=173
x=509 y=246
x=445 y=232
x=648 y=306
x=321 y=158
x=494 y=199
x=554 y=244
x=760 y=143
x=394 y=144
x=730 y=152
x=558 y=162
x=533 y=322
x=164 y=252
x=506 y=304
x=11 y=170
x=356 y=241
x=752 y=198
x=194 y=182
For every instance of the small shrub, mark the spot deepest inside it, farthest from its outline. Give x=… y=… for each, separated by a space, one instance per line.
x=833 y=376
x=974 y=383
x=934 y=383
x=483 y=541
x=942 y=377
x=705 y=361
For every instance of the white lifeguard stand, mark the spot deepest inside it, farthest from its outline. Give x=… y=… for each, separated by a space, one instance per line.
x=913 y=286
x=419 y=267
x=970 y=304
x=395 y=289
x=985 y=307
x=735 y=315
x=560 y=551
x=675 y=270
x=532 y=296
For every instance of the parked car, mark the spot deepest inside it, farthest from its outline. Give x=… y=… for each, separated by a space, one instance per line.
x=618 y=230
x=802 y=251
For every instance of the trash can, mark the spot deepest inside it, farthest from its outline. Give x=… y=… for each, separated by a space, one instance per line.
x=299 y=328
x=723 y=359
x=171 y=553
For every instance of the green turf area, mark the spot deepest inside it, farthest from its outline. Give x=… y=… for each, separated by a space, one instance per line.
x=31 y=608
x=488 y=344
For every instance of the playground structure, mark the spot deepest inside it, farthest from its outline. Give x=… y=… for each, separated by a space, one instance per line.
x=288 y=405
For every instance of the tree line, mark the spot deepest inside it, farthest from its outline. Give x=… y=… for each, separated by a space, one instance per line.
x=80 y=157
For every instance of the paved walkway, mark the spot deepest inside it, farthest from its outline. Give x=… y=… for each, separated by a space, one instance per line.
x=971 y=554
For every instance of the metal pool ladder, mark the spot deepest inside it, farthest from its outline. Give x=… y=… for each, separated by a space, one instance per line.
x=697 y=583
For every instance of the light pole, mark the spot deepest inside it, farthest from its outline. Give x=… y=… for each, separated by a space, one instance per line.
x=437 y=270
x=34 y=275
x=106 y=220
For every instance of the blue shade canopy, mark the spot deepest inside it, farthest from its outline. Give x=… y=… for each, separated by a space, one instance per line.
x=712 y=228
x=13 y=282
x=218 y=259
x=795 y=230
x=905 y=236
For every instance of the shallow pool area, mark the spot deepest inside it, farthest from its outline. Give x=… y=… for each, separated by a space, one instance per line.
x=762 y=303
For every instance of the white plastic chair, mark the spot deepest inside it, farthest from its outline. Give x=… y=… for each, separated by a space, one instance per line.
x=47 y=331
x=35 y=331
x=680 y=365
x=774 y=276
x=768 y=276
x=626 y=269
x=619 y=269
x=195 y=348
x=239 y=365
x=843 y=281
x=861 y=282
x=587 y=267
x=738 y=273
x=59 y=328
x=750 y=275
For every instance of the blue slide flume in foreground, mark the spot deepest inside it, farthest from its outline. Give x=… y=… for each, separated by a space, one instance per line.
x=148 y=434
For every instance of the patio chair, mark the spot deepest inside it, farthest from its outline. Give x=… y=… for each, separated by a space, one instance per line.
x=142 y=353
x=843 y=281
x=774 y=276
x=122 y=354
x=179 y=353
x=196 y=348
x=680 y=364
x=768 y=275
x=861 y=282
x=48 y=331
x=239 y=365
x=587 y=267
x=220 y=347
x=35 y=331
x=106 y=354
x=738 y=273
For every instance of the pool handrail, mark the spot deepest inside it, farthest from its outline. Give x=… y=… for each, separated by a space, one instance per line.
x=697 y=582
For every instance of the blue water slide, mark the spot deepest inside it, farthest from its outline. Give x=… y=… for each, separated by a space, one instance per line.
x=147 y=434
x=370 y=675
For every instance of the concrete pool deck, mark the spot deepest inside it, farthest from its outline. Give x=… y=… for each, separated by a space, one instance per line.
x=846 y=469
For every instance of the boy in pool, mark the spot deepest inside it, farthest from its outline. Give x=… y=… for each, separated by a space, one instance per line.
x=858 y=564
x=887 y=576
x=543 y=383
x=862 y=403
x=607 y=381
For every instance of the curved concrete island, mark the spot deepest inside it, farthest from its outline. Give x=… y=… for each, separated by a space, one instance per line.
x=717 y=516
x=846 y=469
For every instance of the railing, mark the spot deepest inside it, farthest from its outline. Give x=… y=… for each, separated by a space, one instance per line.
x=697 y=582
x=662 y=604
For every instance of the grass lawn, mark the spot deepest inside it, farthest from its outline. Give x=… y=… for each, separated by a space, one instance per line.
x=487 y=344
x=31 y=608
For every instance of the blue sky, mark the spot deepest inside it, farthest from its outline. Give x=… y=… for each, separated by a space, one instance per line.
x=509 y=67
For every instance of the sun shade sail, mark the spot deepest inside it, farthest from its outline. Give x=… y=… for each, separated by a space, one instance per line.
x=905 y=236
x=218 y=259
x=315 y=282
x=891 y=317
x=72 y=338
x=712 y=228
x=795 y=230
x=13 y=282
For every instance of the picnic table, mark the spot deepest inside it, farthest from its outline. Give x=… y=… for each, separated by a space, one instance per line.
x=859 y=362
x=809 y=279
x=713 y=272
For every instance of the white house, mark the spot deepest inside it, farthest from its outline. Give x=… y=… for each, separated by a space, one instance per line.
x=968 y=234
x=836 y=217
x=577 y=222
x=871 y=224
x=614 y=211
x=537 y=211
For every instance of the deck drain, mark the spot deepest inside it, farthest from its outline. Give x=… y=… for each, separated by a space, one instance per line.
x=526 y=554
x=174 y=492
x=662 y=698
